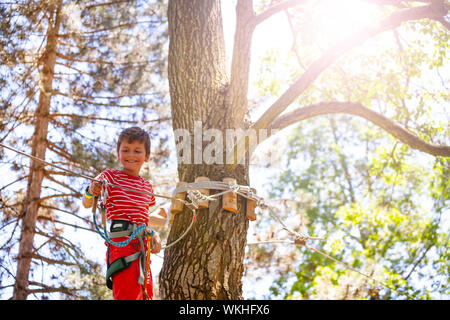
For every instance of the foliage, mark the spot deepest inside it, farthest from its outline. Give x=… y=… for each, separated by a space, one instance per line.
x=382 y=207
x=393 y=229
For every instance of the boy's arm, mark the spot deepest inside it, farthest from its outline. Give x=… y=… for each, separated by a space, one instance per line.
x=155 y=243
x=87 y=202
x=92 y=191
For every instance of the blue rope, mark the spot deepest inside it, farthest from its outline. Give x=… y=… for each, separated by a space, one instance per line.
x=104 y=234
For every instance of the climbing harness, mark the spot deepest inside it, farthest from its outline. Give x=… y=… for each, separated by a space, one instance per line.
x=147 y=272
x=122 y=228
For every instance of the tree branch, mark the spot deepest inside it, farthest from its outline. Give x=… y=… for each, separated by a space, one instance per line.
x=418 y=261
x=275 y=9
x=48 y=289
x=444 y=22
x=92 y=117
x=236 y=98
x=104 y=4
x=59 y=195
x=42 y=218
x=104 y=62
x=332 y=54
x=87 y=101
x=88 y=221
x=47 y=174
x=294 y=40
x=434 y=11
x=52 y=261
x=357 y=109
x=395 y=3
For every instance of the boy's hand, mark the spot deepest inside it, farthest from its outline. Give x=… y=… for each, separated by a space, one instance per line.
x=156 y=243
x=95 y=188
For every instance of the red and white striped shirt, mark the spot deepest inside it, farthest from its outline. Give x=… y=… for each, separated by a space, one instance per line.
x=123 y=204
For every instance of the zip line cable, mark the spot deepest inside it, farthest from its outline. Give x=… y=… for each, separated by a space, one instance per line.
x=108 y=184
x=300 y=240
x=192 y=191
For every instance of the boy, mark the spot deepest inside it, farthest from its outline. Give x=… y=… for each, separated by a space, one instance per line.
x=125 y=208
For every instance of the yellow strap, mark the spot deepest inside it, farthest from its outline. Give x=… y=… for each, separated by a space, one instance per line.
x=147 y=267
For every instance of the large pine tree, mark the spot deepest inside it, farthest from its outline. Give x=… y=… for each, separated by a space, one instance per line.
x=75 y=73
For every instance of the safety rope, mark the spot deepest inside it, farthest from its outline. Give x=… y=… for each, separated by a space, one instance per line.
x=104 y=233
x=107 y=238
x=300 y=240
x=244 y=191
x=89 y=177
x=184 y=234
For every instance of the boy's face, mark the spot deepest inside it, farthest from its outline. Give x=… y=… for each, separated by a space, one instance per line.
x=132 y=156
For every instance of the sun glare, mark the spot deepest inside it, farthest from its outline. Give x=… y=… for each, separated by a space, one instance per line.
x=317 y=22
x=337 y=19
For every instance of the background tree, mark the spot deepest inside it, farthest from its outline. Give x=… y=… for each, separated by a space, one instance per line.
x=371 y=208
x=374 y=198
x=72 y=73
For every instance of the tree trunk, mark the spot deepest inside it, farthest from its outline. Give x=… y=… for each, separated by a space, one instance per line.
x=208 y=262
x=39 y=147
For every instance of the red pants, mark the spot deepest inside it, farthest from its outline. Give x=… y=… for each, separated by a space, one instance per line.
x=125 y=282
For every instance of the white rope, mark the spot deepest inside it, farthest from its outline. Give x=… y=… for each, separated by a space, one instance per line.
x=218 y=185
x=244 y=191
x=182 y=236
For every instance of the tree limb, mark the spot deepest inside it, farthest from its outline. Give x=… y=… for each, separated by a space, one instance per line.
x=275 y=9
x=93 y=117
x=336 y=51
x=395 y=3
x=59 y=195
x=444 y=22
x=104 y=4
x=47 y=174
x=418 y=261
x=434 y=11
x=87 y=101
x=88 y=221
x=236 y=98
x=357 y=109
x=52 y=261
x=42 y=218
x=48 y=289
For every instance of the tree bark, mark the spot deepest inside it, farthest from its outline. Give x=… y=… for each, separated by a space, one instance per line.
x=39 y=147
x=208 y=262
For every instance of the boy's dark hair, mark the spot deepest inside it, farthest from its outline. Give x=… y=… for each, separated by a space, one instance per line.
x=135 y=134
